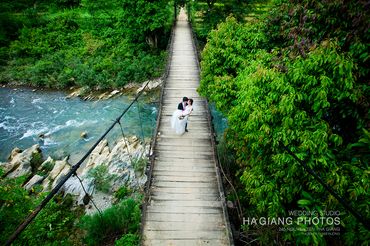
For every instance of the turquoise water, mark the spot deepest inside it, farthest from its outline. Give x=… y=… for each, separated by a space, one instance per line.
x=219 y=121
x=27 y=114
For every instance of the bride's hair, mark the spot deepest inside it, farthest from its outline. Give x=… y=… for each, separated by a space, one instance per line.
x=191 y=101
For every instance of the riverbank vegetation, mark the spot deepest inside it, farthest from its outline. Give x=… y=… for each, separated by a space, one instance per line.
x=295 y=77
x=98 y=44
x=61 y=222
x=206 y=15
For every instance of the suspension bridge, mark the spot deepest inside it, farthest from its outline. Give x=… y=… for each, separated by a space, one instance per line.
x=186 y=204
x=184 y=199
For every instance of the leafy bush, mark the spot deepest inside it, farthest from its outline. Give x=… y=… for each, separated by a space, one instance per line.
x=46 y=168
x=128 y=240
x=122 y=193
x=15 y=202
x=53 y=225
x=101 y=177
x=139 y=164
x=36 y=160
x=123 y=218
x=294 y=78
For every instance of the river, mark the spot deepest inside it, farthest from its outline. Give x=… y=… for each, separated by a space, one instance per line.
x=25 y=115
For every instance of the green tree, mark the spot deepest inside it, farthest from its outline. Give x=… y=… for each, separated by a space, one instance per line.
x=147 y=21
x=296 y=77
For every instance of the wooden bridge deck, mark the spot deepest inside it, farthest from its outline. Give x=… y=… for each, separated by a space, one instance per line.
x=184 y=207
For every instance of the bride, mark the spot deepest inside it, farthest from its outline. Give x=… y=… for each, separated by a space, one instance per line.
x=179 y=118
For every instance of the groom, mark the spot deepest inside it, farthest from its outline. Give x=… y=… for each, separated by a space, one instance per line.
x=182 y=106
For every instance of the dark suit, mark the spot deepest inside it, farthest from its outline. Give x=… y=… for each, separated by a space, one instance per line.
x=181 y=107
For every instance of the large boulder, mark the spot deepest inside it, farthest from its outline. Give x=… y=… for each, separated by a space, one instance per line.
x=60 y=169
x=35 y=180
x=21 y=162
x=153 y=84
x=74 y=187
x=97 y=157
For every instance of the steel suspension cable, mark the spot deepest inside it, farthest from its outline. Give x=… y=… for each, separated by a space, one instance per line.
x=88 y=196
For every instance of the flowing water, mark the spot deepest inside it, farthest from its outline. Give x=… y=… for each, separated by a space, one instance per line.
x=26 y=115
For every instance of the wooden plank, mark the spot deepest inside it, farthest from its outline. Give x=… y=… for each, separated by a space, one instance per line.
x=184 y=204
x=203 y=235
x=188 y=242
x=185 y=168
x=178 y=184
x=186 y=190
x=181 y=173
x=183 y=226
x=186 y=179
x=183 y=217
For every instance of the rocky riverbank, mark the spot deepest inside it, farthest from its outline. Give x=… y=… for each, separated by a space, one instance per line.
x=86 y=93
x=122 y=164
x=132 y=88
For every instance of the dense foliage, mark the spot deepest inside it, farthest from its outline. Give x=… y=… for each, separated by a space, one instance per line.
x=60 y=223
x=52 y=225
x=297 y=77
x=205 y=15
x=122 y=218
x=99 y=44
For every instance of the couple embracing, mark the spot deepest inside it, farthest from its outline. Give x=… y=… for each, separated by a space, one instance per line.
x=179 y=120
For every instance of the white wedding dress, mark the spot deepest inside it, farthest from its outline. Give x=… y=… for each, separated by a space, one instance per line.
x=178 y=124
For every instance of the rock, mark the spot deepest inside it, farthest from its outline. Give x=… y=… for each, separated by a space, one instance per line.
x=41 y=135
x=101 y=202
x=151 y=85
x=72 y=95
x=134 y=141
x=154 y=84
x=97 y=157
x=20 y=162
x=48 y=160
x=14 y=152
x=130 y=86
x=78 y=92
x=117 y=159
x=83 y=135
x=60 y=169
x=103 y=96
x=73 y=187
x=35 y=180
x=61 y=175
x=114 y=92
